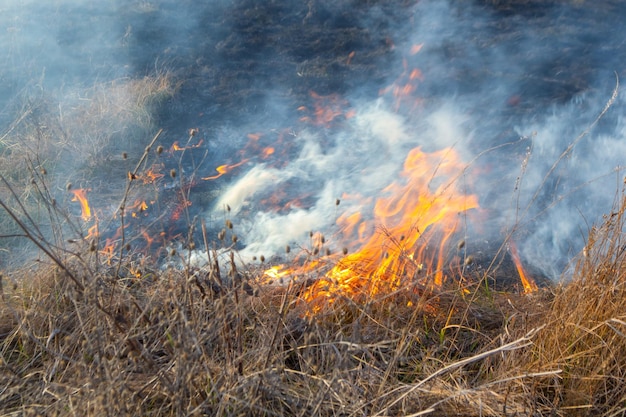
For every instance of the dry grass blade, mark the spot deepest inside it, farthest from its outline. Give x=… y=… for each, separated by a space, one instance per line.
x=516 y=344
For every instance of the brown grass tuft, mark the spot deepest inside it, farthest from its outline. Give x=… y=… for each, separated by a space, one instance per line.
x=585 y=331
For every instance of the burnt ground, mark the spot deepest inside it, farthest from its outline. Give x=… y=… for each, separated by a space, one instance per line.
x=236 y=59
x=248 y=66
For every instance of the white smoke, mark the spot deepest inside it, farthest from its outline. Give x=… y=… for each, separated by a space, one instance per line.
x=366 y=155
x=524 y=181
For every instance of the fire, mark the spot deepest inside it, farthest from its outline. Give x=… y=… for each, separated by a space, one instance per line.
x=275 y=274
x=176 y=147
x=406 y=84
x=326 y=109
x=225 y=169
x=350 y=56
x=527 y=282
x=267 y=152
x=153 y=174
x=413 y=223
x=416 y=48
x=140 y=206
x=80 y=195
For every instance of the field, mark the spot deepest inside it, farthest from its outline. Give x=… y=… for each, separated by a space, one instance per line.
x=128 y=288
x=84 y=331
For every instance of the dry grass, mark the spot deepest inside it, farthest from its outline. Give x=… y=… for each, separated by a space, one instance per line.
x=175 y=344
x=585 y=331
x=85 y=334
x=56 y=141
x=77 y=339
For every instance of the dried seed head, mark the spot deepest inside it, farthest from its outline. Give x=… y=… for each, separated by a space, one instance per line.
x=124 y=155
x=222 y=234
x=287 y=249
x=173 y=173
x=262 y=258
x=235 y=238
x=159 y=150
x=193 y=132
x=328 y=252
x=469 y=260
x=92 y=246
x=227 y=208
x=43 y=171
x=337 y=201
x=316 y=251
x=192 y=245
x=461 y=244
x=128 y=247
x=344 y=251
x=68 y=186
x=229 y=224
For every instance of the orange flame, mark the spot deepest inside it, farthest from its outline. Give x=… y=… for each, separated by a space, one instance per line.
x=225 y=169
x=326 y=109
x=92 y=232
x=416 y=48
x=177 y=147
x=267 y=152
x=153 y=174
x=406 y=84
x=409 y=219
x=527 y=282
x=350 y=56
x=140 y=206
x=80 y=195
x=415 y=212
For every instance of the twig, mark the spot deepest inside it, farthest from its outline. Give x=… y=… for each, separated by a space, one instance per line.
x=121 y=208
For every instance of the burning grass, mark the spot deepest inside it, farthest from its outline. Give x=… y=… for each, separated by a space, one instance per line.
x=100 y=327
x=81 y=337
x=55 y=143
